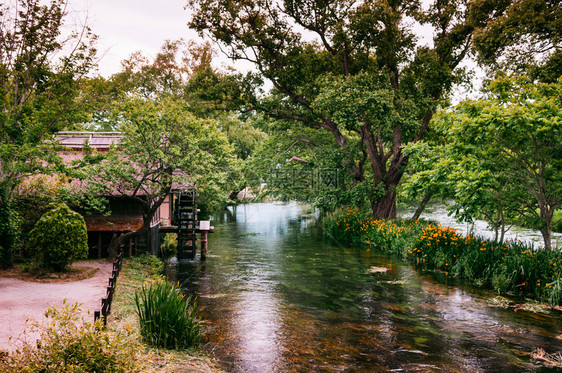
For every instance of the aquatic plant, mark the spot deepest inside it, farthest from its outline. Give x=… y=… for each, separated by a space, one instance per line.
x=167 y=318
x=437 y=246
x=395 y=235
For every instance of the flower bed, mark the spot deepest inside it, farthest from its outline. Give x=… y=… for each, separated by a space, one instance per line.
x=512 y=267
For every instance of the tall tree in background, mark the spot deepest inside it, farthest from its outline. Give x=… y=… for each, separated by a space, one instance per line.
x=353 y=68
x=168 y=73
x=525 y=38
x=507 y=152
x=40 y=72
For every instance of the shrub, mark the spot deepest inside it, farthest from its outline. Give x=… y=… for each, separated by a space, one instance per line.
x=395 y=236
x=67 y=343
x=345 y=224
x=31 y=209
x=9 y=234
x=167 y=319
x=150 y=262
x=59 y=238
x=169 y=245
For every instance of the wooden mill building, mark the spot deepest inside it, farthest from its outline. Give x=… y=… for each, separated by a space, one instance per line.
x=126 y=213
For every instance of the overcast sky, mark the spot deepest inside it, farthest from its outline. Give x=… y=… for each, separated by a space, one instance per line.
x=126 y=26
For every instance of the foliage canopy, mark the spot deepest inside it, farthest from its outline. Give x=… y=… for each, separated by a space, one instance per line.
x=40 y=72
x=502 y=155
x=355 y=69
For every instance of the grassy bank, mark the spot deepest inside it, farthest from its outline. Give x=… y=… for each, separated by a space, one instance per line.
x=514 y=268
x=135 y=273
x=65 y=341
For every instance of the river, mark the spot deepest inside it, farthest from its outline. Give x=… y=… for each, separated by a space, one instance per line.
x=277 y=296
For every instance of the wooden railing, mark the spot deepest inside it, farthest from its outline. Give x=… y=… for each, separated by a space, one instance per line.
x=106 y=302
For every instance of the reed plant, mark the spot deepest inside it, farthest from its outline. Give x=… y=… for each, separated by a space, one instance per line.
x=167 y=318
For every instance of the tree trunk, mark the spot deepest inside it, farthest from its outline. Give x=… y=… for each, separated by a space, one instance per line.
x=503 y=228
x=233 y=196
x=502 y=237
x=118 y=240
x=547 y=237
x=547 y=214
x=422 y=205
x=385 y=207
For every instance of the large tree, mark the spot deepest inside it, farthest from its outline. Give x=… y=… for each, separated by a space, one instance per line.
x=353 y=68
x=41 y=66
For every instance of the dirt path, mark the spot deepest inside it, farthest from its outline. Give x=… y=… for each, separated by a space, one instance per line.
x=20 y=299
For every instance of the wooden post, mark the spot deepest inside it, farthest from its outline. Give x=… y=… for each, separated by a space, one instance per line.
x=99 y=245
x=130 y=247
x=110 y=290
x=104 y=310
x=203 y=245
x=136 y=245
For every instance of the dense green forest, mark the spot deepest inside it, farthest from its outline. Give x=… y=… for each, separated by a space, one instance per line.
x=346 y=105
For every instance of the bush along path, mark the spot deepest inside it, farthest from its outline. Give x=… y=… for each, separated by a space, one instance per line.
x=514 y=267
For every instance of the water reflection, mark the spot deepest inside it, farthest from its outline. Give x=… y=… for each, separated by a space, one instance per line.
x=279 y=297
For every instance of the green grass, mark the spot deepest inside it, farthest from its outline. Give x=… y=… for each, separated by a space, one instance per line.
x=135 y=272
x=166 y=318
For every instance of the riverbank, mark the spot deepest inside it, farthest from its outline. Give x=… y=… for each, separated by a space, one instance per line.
x=123 y=316
x=513 y=268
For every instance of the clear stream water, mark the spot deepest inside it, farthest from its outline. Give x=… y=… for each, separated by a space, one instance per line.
x=277 y=296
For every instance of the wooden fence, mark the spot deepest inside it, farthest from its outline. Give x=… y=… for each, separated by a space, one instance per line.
x=106 y=302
